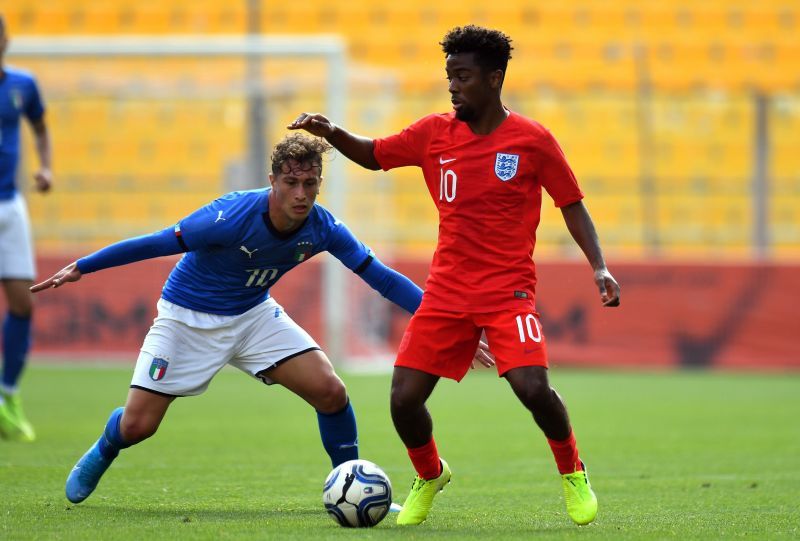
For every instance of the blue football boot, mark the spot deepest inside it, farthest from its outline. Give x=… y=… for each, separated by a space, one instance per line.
x=86 y=474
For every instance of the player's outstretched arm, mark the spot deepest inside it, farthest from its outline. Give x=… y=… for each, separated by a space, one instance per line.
x=70 y=273
x=582 y=229
x=357 y=148
x=127 y=251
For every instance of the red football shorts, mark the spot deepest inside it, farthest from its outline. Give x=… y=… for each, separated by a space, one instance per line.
x=444 y=343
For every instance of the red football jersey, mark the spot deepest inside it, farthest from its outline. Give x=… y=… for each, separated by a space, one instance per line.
x=488 y=190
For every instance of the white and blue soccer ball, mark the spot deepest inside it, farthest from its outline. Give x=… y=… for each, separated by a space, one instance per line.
x=357 y=494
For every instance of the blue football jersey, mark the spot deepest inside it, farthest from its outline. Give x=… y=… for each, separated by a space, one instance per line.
x=19 y=96
x=234 y=253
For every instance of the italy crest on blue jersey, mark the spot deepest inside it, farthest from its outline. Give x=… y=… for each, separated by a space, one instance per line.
x=303 y=251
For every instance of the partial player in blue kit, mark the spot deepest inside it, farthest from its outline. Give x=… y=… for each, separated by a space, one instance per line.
x=215 y=308
x=19 y=98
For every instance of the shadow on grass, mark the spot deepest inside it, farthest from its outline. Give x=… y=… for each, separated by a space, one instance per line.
x=199 y=513
x=210 y=514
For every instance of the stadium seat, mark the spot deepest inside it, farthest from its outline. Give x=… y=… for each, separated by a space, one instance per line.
x=632 y=90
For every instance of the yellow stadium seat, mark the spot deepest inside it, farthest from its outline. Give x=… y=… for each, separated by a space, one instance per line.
x=632 y=90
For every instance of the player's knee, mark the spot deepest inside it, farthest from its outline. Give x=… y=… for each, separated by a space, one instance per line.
x=535 y=392
x=20 y=306
x=19 y=299
x=331 y=396
x=136 y=428
x=403 y=400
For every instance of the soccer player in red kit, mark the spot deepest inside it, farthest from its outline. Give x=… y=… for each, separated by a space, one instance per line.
x=485 y=167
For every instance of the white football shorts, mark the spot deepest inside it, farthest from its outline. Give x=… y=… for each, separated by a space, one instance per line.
x=16 y=246
x=184 y=349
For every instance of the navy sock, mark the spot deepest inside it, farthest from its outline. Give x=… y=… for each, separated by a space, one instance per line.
x=16 y=342
x=339 y=434
x=111 y=441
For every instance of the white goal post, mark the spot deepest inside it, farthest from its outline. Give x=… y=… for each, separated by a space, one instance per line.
x=331 y=48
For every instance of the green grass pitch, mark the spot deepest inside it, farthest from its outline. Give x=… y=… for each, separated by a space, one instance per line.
x=681 y=455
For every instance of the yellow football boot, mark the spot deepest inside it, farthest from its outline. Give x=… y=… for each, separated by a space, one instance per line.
x=580 y=499
x=420 y=499
x=13 y=424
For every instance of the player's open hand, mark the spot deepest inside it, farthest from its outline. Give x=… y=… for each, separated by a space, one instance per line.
x=313 y=123
x=483 y=355
x=609 y=288
x=44 y=179
x=70 y=273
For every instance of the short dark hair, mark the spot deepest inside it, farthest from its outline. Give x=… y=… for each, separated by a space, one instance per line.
x=492 y=48
x=301 y=148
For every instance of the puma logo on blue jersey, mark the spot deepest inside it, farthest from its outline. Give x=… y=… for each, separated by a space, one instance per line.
x=248 y=252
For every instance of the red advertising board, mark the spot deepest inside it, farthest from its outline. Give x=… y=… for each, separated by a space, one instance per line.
x=690 y=315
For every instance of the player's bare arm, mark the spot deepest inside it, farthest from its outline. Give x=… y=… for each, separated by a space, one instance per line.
x=70 y=273
x=582 y=229
x=355 y=147
x=44 y=176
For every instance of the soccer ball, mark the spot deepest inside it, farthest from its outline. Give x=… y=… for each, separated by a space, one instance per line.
x=357 y=494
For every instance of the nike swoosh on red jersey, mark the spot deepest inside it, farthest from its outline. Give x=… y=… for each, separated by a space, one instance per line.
x=443 y=161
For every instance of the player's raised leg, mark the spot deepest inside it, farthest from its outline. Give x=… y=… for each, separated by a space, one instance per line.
x=16 y=343
x=532 y=387
x=127 y=426
x=410 y=389
x=311 y=376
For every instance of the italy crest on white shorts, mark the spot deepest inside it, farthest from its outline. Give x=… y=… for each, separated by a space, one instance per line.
x=158 y=368
x=505 y=166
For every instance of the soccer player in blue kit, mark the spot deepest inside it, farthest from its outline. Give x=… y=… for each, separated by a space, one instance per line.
x=19 y=97
x=215 y=307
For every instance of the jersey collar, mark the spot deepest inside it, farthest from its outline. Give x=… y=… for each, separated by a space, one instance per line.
x=281 y=234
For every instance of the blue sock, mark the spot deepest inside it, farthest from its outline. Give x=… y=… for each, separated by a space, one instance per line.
x=16 y=342
x=111 y=441
x=339 y=434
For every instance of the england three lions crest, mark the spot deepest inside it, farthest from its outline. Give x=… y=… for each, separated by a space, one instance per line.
x=505 y=166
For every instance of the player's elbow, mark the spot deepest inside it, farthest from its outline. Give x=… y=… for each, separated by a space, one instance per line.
x=368 y=161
